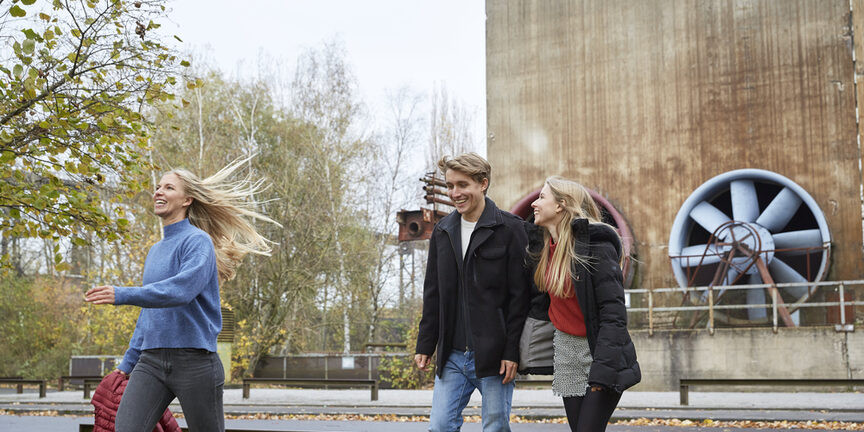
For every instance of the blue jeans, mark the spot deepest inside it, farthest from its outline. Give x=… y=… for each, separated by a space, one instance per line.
x=194 y=376
x=453 y=390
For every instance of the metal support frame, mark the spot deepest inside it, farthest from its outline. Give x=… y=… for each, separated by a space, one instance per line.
x=778 y=307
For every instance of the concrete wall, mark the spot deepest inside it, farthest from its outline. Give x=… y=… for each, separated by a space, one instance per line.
x=643 y=101
x=814 y=352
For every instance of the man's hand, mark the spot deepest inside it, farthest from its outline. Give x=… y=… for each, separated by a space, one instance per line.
x=508 y=369
x=100 y=295
x=422 y=361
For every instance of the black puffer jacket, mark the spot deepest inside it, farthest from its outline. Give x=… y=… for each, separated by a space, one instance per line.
x=600 y=292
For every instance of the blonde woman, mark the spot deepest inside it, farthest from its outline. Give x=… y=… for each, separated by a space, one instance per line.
x=173 y=349
x=578 y=265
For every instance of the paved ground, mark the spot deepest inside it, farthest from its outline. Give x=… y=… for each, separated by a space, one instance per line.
x=52 y=424
x=530 y=403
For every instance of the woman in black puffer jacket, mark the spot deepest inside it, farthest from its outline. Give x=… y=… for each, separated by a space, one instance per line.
x=578 y=265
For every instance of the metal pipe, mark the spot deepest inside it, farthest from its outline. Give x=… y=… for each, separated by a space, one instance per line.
x=748 y=286
x=433 y=199
x=734 y=307
x=711 y=311
x=842 y=306
x=434 y=190
x=774 y=308
x=433 y=181
x=650 y=313
x=777 y=305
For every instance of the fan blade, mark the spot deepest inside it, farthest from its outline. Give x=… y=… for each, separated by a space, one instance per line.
x=731 y=274
x=782 y=273
x=780 y=211
x=796 y=317
x=708 y=216
x=692 y=255
x=745 y=204
x=799 y=241
x=756 y=296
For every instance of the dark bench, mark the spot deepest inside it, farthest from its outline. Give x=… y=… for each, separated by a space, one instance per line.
x=88 y=382
x=533 y=382
x=61 y=382
x=20 y=387
x=20 y=382
x=685 y=383
x=312 y=382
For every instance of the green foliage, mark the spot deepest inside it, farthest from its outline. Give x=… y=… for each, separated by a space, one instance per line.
x=108 y=329
x=72 y=87
x=400 y=371
x=38 y=335
x=43 y=323
x=76 y=153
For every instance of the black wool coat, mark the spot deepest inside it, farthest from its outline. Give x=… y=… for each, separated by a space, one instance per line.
x=496 y=289
x=600 y=291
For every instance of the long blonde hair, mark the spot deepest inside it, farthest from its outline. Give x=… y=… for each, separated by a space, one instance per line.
x=223 y=209
x=553 y=275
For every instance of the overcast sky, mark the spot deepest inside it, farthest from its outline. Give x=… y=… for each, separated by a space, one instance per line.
x=389 y=43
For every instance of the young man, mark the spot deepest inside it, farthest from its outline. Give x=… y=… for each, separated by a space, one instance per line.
x=475 y=300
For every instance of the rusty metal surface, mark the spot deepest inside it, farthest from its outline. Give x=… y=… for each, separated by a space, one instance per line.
x=644 y=101
x=417 y=224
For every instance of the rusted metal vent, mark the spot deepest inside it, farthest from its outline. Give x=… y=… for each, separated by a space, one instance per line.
x=227 y=333
x=748 y=227
x=417 y=224
x=611 y=215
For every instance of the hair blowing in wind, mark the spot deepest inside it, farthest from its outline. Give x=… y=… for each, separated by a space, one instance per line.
x=226 y=209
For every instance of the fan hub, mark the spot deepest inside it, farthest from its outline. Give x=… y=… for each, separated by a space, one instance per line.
x=744 y=241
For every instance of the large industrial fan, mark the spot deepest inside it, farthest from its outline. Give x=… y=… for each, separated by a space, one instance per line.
x=748 y=227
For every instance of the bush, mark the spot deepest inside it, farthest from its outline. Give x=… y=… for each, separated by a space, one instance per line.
x=400 y=371
x=44 y=321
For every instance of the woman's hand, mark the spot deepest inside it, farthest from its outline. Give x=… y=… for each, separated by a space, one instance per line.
x=103 y=294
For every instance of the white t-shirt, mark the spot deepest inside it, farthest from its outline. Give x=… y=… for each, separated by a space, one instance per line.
x=467 y=229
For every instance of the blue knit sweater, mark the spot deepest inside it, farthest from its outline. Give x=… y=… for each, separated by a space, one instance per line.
x=180 y=296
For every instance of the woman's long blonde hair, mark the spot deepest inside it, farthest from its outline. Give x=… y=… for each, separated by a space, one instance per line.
x=224 y=209
x=553 y=275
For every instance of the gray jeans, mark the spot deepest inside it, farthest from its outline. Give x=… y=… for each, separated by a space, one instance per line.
x=194 y=376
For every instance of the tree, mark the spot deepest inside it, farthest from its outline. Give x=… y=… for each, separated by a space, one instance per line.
x=325 y=97
x=72 y=91
x=389 y=180
x=450 y=128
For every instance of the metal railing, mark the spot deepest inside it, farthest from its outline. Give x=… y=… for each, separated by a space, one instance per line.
x=711 y=306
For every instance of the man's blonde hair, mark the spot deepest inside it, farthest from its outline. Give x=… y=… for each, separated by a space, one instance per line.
x=471 y=164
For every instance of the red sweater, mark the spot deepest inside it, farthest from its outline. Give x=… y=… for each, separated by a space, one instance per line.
x=565 y=313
